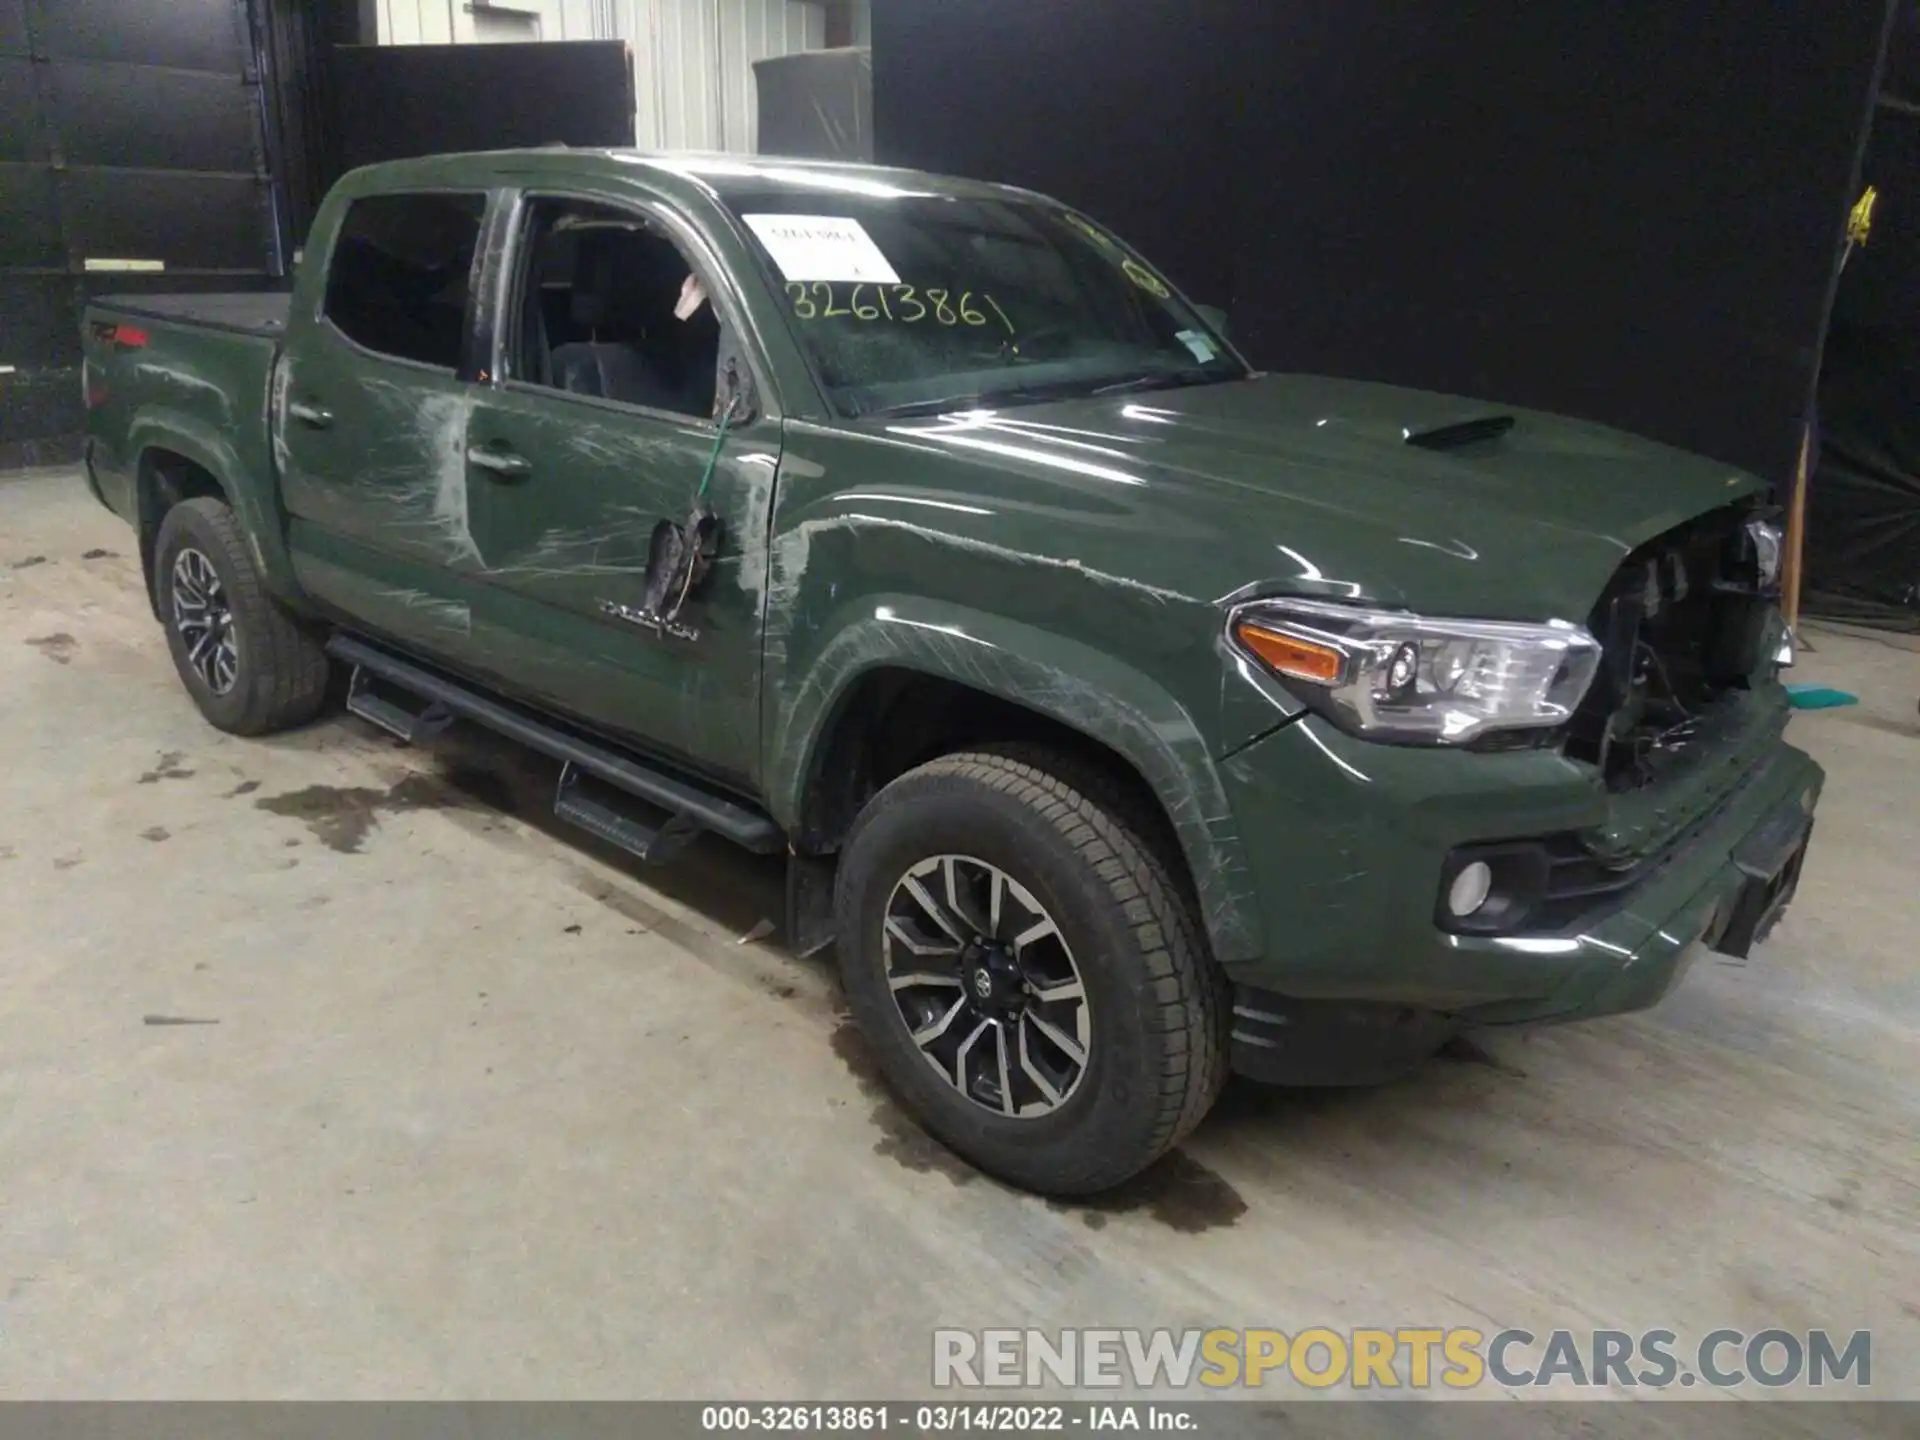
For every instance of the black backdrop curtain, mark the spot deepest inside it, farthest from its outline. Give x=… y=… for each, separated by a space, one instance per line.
x=1627 y=212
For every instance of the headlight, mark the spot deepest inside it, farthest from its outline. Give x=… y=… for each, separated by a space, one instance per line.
x=1389 y=675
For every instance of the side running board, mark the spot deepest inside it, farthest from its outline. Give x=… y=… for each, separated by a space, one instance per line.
x=606 y=792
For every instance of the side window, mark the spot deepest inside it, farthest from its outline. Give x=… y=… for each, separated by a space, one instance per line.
x=401 y=269
x=609 y=306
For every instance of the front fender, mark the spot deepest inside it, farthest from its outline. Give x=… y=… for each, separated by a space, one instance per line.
x=1074 y=684
x=246 y=481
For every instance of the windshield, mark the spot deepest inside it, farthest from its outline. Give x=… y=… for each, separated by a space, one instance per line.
x=923 y=303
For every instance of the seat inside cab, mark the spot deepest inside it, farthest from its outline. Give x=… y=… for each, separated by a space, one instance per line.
x=599 y=313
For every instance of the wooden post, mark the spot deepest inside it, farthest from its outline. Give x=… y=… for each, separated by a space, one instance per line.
x=1790 y=573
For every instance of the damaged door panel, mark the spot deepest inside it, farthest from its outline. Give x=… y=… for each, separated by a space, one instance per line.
x=598 y=433
x=370 y=405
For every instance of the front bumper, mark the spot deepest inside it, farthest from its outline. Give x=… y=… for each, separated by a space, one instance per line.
x=1348 y=840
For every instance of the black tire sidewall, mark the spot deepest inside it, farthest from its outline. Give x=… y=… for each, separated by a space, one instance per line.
x=1113 y=1111
x=186 y=528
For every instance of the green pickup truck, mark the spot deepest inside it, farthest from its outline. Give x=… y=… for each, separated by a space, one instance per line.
x=1127 y=716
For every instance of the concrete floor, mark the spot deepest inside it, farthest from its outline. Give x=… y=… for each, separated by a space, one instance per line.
x=327 y=1069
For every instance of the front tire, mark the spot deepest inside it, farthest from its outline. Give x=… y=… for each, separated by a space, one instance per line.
x=249 y=666
x=1031 y=981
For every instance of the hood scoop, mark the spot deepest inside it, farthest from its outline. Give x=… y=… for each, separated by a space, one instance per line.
x=1460 y=433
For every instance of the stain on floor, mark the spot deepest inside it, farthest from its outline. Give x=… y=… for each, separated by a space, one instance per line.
x=29 y=562
x=155 y=833
x=167 y=767
x=1176 y=1190
x=245 y=787
x=58 y=647
x=901 y=1139
x=626 y=905
x=99 y=554
x=342 y=816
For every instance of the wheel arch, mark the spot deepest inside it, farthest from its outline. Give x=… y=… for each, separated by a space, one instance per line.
x=177 y=457
x=915 y=680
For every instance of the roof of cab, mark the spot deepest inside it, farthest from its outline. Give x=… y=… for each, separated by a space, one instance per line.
x=689 y=172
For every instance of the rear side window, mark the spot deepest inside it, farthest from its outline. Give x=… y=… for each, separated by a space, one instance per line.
x=401 y=271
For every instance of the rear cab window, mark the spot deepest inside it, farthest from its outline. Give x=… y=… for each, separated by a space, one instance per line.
x=401 y=273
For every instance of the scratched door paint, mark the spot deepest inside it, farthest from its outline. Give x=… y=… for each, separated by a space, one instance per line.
x=567 y=538
x=370 y=418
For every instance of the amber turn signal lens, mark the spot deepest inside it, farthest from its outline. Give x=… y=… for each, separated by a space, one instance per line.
x=1302 y=659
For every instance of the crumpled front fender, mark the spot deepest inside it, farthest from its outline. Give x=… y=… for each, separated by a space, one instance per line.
x=1074 y=684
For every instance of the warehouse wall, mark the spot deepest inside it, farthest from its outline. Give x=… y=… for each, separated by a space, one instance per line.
x=692 y=59
x=693 y=66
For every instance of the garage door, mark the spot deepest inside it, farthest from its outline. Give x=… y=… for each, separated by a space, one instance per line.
x=131 y=159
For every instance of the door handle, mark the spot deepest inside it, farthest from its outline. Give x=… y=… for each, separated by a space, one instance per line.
x=310 y=414
x=501 y=462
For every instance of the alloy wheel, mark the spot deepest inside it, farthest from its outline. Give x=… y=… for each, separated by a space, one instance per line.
x=204 y=618
x=987 y=986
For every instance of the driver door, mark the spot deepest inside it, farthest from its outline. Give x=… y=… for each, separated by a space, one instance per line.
x=597 y=426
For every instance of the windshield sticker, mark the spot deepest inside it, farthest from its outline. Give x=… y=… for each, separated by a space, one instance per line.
x=1199 y=344
x=833 y=248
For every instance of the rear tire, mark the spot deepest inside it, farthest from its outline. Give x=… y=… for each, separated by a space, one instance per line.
x=249 y=666
x=1088 y=1093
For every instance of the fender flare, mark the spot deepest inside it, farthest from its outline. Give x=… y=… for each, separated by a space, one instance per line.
x=163 y=428
x=1071 y=683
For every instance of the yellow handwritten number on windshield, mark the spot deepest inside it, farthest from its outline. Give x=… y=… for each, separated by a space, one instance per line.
x=903 y=303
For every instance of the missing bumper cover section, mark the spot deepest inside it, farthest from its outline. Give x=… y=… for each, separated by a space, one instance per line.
x=1281 y=1041
x=1770 y=858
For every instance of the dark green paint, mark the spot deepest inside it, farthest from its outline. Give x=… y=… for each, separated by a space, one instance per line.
x=1073 y=557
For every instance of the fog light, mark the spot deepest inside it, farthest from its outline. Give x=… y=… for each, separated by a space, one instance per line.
x=1470 y=888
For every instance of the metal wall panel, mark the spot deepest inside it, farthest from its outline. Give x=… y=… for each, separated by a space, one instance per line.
x=143 y=32
x=29 y=224
x=13 y=27
x=460 y=22
x=37 y=321
x=693 y=59
x=693 y=62
x=132 y=134
x=212 y=123
x=22 y=137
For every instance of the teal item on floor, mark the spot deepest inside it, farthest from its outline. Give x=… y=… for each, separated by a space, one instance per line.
x=1819 y=697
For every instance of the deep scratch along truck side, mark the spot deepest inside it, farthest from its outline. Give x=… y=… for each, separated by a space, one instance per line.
x=1126 y=715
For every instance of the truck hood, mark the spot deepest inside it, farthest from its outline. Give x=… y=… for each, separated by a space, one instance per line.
x=1302 y=484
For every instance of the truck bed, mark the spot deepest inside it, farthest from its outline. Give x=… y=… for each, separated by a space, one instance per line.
x=248 y=313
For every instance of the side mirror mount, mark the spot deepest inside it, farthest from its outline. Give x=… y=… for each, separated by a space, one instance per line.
x=1217 y=318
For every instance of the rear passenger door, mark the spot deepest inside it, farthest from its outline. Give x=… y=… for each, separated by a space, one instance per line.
x=599 y=424
x=371 y=407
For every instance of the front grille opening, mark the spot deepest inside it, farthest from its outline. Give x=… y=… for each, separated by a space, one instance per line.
x=1686 y=622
